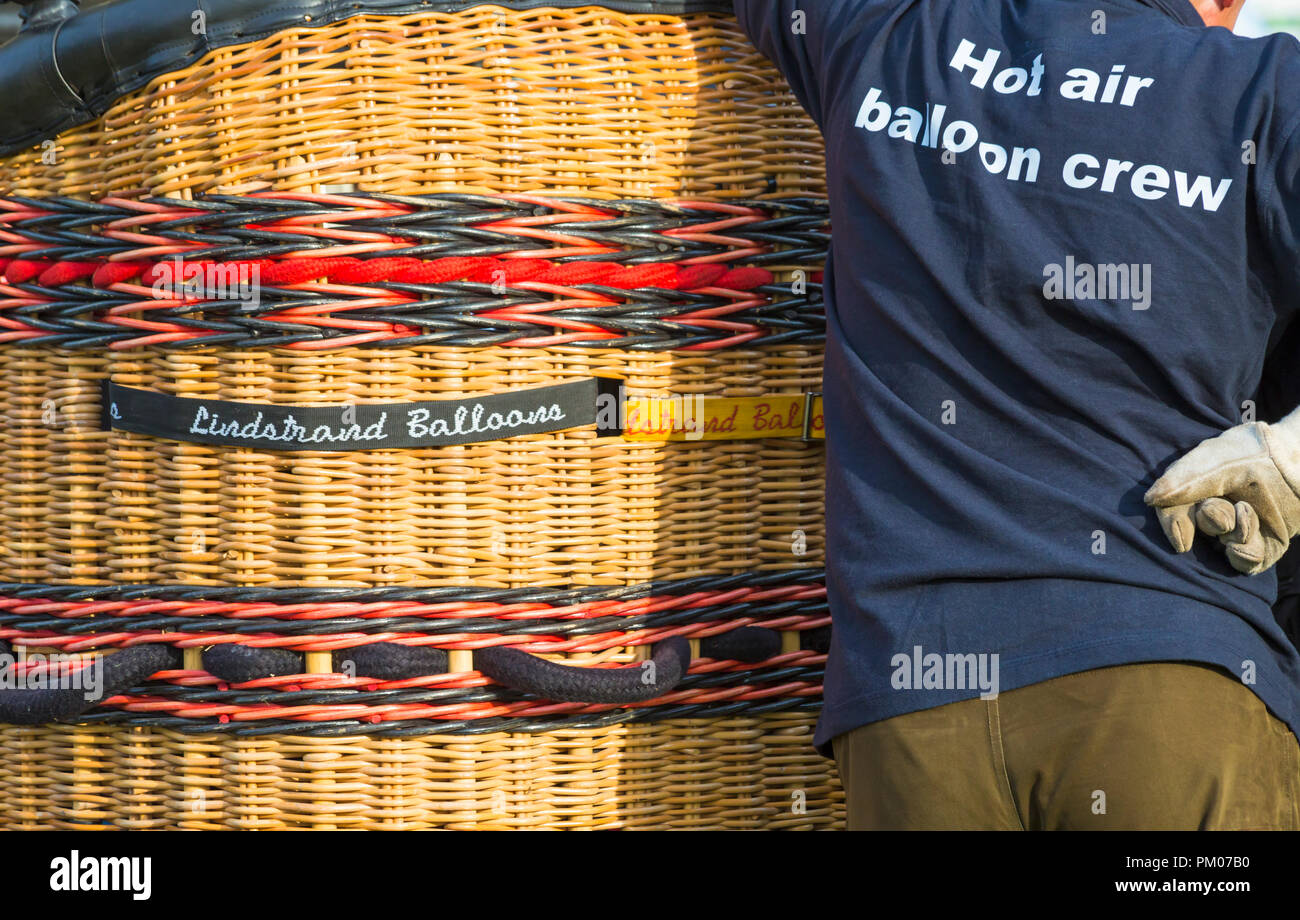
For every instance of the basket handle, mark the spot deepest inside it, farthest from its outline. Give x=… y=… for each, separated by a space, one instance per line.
x=519 y=670
x=120 y=671
x=509 y=667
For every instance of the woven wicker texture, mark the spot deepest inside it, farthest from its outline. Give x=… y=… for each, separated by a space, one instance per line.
x=79 y=504
x=444 y=270
x=581 y=101
x=739 y=773
x=757 y=644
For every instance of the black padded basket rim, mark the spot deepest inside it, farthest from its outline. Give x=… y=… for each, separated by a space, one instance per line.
x=59 y=76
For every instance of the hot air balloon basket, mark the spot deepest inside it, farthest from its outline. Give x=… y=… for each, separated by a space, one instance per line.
x=412 y=420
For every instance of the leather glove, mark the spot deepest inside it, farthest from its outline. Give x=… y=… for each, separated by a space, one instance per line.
x=1242 y=487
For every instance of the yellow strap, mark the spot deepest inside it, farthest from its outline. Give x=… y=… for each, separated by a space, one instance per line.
x=722 y=418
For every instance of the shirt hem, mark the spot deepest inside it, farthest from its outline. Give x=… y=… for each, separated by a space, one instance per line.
x=1034 y=669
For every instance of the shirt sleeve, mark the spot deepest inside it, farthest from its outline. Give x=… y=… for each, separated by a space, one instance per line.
x=1284 y=215
x=799 y=36
x=1279 y=387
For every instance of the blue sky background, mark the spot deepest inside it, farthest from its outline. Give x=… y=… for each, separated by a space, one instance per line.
x=1264 y=16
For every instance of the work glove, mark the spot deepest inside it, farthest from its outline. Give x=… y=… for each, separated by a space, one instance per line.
x=1242 y=487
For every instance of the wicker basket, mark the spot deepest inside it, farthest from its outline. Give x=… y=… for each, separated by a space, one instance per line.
x=452 y=204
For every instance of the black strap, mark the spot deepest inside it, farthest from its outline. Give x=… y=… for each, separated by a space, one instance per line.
x=370 y=426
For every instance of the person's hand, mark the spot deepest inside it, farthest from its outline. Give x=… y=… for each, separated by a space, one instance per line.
x=1240 y=487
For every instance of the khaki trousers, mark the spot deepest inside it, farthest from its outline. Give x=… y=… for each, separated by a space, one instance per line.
x=1161 y=746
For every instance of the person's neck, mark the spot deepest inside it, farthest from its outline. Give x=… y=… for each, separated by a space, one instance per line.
x=1215 y=15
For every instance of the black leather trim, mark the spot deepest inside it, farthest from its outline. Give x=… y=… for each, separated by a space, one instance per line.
x=56 y=77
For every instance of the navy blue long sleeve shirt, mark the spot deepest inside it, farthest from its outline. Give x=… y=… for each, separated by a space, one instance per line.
x=1066 y=239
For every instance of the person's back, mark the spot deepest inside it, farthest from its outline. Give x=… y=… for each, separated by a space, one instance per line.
x=1064 y=239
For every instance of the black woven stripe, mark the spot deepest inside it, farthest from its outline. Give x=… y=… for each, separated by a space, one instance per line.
x=468 y=727
x=442 y=225
x=557 y=597
x=230 y=208
x=445 y=314
x=756 y=676
x=416 y=626
x=464 y=340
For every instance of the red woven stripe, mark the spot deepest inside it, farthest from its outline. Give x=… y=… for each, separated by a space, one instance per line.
x=575 y=273
x=745 y=279
x=654 y=275
x=694 y=277
x=153 y=273
x=67 y=272
x=20 y=271
x=297 y=271
x=362 y=272
x=440 y=270
x=341 y=270
x=111 y=273
x=515 y=271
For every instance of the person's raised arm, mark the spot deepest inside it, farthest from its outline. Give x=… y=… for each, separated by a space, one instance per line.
x=800 y=36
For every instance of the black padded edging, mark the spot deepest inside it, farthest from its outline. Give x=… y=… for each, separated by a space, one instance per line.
x=121 y=671
x=511 y=667
x=527 y=673
x=57 y=77
x=240 y=663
